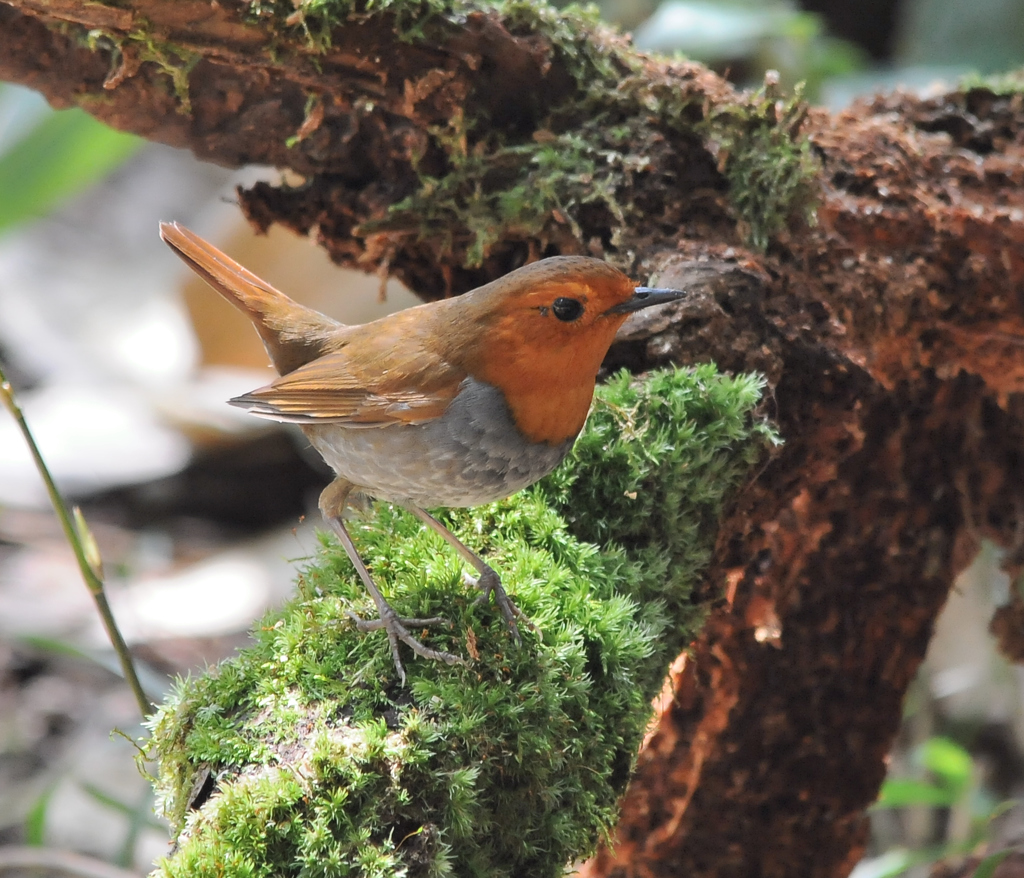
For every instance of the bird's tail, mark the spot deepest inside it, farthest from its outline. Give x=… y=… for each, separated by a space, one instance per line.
x=293 y=334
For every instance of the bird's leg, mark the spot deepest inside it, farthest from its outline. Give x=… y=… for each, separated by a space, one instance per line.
x=332 y=504
x=488 y=582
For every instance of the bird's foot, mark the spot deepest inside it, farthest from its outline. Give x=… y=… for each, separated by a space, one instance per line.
x=397 y=631
x=490 y=584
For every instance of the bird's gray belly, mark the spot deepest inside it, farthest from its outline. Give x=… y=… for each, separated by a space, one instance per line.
x=472 y=454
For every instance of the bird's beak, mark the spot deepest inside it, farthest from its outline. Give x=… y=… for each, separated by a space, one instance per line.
x=644 y=297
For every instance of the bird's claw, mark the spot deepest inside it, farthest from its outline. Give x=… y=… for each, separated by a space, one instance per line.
x=490 y=584
x=376 y=624
x=397 y=631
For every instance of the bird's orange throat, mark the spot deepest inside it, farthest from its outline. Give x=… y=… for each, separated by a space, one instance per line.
x=548 y=387
x=551 y=418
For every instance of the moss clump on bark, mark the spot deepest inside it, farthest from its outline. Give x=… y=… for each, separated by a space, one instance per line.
x=545 y=188
x=526 y=190
x=564 y=175
x=512 y=764
x=769 y=165
x=1000 y=84
x=575 y=173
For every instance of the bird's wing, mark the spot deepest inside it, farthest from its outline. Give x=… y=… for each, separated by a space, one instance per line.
x=382 y=373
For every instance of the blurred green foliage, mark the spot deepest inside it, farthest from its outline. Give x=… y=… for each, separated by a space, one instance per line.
x=983 y=35
x=947 y=778
x=749 y=38
x=52 y=155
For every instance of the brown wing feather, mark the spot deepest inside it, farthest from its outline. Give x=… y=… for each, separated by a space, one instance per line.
x=385 y=372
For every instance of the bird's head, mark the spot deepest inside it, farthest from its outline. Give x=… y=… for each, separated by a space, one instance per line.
x=540 y=334
x=570 y=299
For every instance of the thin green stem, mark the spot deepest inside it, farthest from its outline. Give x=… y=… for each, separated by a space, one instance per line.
x=83 y=545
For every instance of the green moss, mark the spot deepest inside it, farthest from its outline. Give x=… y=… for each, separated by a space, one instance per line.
x=512 y=764
x=521 y=191
x=173 y=60
x=589 y=152
x=528 y=189
x=1003 y=84
x=769 y=165
x=415 y=20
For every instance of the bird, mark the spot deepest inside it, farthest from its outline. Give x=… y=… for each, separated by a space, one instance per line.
x=452 y=403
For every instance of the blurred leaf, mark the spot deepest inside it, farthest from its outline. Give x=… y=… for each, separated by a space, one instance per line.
x=56 y=647
x=828 y=57
x=711 y=31
x=141 y=819
x=949 y=762
x=987 y=867
x=61 y=154
x=904 y=792
x=124 y=808
x=953 y=787
x=773 y=34
x=35 y=820
x=1001 y=808
x=106 y=799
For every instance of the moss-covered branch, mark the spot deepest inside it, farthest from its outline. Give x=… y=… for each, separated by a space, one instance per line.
x=496 y=130
x=514 y=764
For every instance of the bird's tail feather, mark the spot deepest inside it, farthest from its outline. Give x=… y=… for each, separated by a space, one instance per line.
x=292 y=333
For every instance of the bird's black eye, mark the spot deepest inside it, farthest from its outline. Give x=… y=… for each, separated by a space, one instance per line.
x=567 y=309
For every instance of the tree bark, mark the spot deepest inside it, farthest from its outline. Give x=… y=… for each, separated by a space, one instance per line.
x=891 y=331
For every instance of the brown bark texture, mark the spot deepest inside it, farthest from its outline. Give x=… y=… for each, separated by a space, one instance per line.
x=891 y=332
